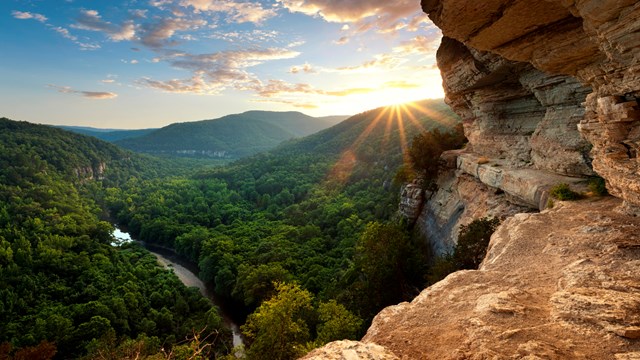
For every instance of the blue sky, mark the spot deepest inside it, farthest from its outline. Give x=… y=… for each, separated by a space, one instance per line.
x=149 y=63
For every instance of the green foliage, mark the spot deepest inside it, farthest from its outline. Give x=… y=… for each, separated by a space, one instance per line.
x=282 y=327
x=336 y=323
x=427 y=147
x=389 y=267
x=278 y=330
x=61 y=281
x=295 y=214
x=473 y=240
x=598 y=186
x=563 y=192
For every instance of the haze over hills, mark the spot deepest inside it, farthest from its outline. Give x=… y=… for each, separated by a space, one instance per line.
x=232 y=136
x=110 y=135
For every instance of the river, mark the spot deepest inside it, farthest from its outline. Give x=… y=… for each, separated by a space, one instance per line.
x=170 y=260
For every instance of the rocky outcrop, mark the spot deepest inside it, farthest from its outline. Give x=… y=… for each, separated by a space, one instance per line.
x=95 y=172
x=411 y=201
x=551 y=283
x=460 y=199
x=579 y=59
x=350 y=350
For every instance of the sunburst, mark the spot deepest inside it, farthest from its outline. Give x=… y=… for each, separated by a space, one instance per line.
x=343 y=168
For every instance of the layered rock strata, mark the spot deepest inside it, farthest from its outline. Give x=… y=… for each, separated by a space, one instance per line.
x=586 y=51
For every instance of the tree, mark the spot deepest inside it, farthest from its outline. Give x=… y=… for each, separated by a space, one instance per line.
x=390 y=267
x=473 y=241
x=337 y=323
x=277 y=330
x=427 y=147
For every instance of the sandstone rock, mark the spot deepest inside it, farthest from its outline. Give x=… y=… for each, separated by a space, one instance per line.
x=460 y=199
x=350 y=350
x=589 y=42
x=411 y=201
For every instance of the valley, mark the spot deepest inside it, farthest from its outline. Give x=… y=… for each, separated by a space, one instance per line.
x=288 y=220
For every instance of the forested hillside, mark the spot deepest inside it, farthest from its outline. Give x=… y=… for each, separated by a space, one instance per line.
x=65 y=291
x=308 y=220
x=230 y=137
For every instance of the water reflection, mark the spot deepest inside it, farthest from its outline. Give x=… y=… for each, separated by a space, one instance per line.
x=120 y=237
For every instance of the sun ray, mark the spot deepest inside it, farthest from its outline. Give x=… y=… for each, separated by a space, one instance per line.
x=343 y=168
x=413 y=118
x=434 y=115
x=387 y=129
x=365 y=133
x=403 y=136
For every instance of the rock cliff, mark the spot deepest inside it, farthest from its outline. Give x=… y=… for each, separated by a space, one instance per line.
x=548 y=91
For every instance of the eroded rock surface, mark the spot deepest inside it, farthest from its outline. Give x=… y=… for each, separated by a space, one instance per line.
x=506 y=63
x=551 y=283
x=350 y=350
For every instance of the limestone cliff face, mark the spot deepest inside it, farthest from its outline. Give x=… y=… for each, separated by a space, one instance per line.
x=548 y=91
x=560 y=63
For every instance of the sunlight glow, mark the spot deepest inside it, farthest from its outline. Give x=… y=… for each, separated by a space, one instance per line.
x=409 y=112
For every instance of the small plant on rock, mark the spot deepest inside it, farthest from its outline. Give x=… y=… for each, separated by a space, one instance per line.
x=598 y=186
x=563 y=192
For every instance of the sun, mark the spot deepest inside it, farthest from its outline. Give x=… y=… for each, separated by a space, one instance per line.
x=397 y=116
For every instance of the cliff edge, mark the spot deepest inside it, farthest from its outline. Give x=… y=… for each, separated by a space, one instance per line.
x=548 y=92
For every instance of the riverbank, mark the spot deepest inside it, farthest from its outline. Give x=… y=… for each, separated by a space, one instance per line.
x=186 y=273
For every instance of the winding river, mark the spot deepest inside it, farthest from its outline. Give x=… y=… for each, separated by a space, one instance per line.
x=170 y=260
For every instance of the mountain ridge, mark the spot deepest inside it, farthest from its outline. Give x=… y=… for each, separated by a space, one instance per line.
x=231 y=136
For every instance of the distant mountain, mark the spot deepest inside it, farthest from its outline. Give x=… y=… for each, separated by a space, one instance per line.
x=232 y=136
x=110 y=135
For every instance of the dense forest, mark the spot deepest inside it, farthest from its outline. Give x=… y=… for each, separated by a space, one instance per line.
x=317 y=212
x=64 y=289
x=304 y=237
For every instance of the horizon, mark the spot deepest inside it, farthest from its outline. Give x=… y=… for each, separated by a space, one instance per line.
x=146 y=64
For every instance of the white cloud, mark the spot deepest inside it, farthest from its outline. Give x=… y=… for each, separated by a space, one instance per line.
x=22 y=15
x=237 y=12
x=419 y=44
x=386 y=15
x=212 y=73
x=156 y=35
x=307 y=68
x=65 y=33
x=94 y=95
x=92 y=21
x=138 y=13
x=342 y=41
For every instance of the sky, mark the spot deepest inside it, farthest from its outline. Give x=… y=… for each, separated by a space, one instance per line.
x=131 y=64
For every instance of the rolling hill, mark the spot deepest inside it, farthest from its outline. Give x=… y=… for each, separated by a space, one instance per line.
x=232 y=136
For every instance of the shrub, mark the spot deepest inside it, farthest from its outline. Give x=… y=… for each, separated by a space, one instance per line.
x=473 y=240
x=563 y=192
x=598 y=186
